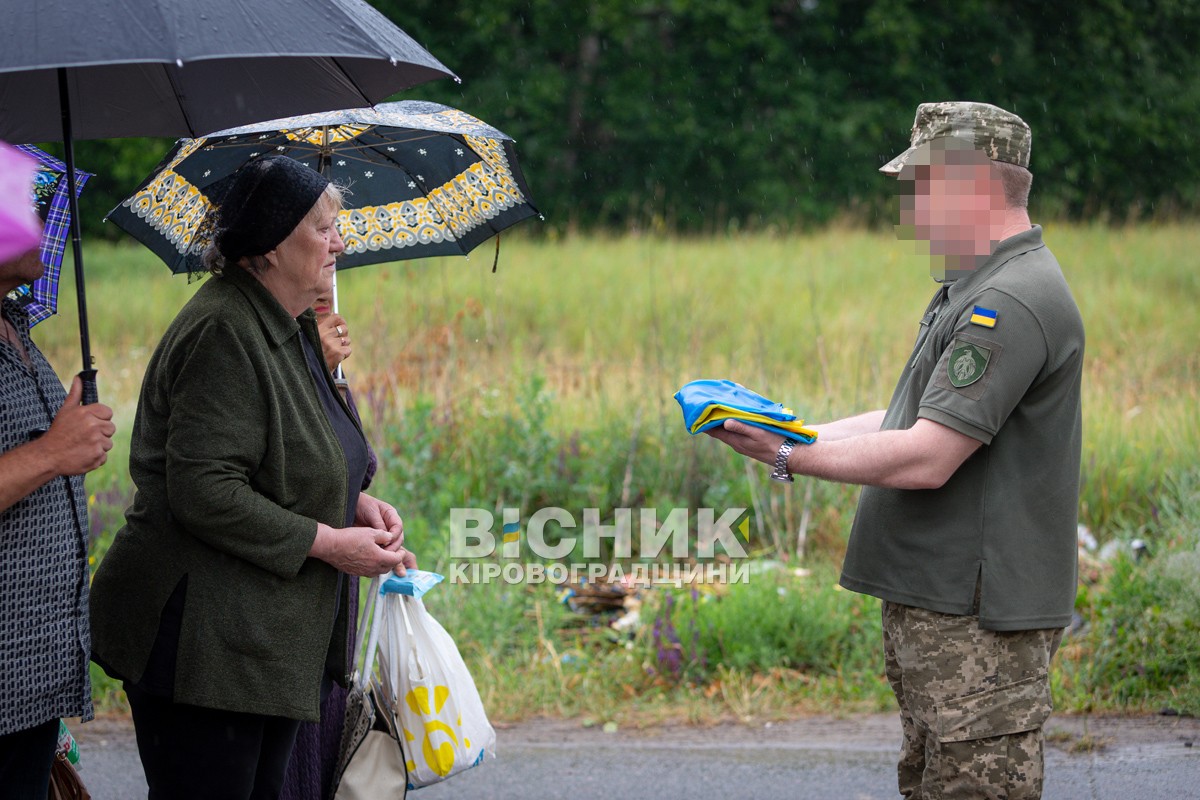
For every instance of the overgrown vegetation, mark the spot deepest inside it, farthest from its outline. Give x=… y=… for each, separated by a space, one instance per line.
x=1140 y=641
x=549 y=384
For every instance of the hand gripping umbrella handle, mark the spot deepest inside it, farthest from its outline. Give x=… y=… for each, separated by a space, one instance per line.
x=91 y=394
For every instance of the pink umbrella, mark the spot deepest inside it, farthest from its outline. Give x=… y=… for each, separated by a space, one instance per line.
x=20 y=229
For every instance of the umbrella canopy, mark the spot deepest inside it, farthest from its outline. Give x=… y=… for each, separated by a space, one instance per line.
x=424 y=180
x=49 y=188
x=189 y=67
x=112 y=68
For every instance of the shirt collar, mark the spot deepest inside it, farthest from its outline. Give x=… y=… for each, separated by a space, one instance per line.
x=1007 y=250
x=276 y=322
x=17 y=315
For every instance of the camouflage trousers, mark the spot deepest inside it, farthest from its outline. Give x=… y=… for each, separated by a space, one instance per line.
x=972 y=704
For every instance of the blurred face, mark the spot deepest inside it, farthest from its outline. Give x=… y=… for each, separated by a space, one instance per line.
x=954 y=211
x=323 y=305
x=23 y=269
x=302 y=265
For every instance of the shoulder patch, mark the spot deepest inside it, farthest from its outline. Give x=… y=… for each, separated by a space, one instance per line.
x=984 y=317
x=967 y=363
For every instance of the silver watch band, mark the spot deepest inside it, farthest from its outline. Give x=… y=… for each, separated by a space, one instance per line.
x=780 y=473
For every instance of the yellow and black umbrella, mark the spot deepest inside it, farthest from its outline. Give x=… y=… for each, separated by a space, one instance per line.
x=424 y=180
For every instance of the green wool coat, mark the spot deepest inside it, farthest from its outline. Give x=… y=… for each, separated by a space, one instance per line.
x=235 y=462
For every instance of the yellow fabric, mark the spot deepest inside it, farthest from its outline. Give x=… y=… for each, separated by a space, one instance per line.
x=716 y=411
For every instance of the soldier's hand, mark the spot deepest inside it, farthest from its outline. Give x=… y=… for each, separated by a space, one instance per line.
x=748 y=440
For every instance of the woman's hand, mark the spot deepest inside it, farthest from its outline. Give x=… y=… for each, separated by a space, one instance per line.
x=382 y=516
x=377 y=514
x=360 y=551
x=335 y=340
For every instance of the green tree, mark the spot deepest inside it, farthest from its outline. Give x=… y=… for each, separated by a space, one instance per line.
x=709 y=114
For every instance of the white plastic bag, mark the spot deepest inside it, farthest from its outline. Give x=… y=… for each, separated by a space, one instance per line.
x=444 y=729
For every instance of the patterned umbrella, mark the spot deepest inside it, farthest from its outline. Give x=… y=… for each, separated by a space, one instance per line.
x=40 y=298
x=423 y=179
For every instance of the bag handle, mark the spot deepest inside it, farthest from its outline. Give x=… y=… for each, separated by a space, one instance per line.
x=404 y=610
x=368 y=622
x=415 y=662
x=364 y=621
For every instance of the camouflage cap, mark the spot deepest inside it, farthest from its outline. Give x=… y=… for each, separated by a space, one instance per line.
x=1000 y=134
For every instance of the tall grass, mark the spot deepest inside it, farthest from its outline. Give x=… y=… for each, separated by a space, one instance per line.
x=550 y=383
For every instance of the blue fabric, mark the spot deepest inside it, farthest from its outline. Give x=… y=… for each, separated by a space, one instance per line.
x=414 y=584
x=51 y=198
x=696 y=397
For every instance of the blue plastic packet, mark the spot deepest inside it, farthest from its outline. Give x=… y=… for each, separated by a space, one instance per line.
x=414 y=584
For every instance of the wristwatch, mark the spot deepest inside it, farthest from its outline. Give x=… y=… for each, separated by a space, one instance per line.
x=781 y=460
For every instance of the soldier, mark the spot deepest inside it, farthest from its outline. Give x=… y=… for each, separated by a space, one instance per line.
x=966 y=526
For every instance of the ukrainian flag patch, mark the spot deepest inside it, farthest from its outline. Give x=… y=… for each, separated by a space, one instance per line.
x=985 y=317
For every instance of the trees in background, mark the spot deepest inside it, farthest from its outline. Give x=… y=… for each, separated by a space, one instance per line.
x=714 y=114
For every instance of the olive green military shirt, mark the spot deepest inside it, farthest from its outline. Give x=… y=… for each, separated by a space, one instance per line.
x=999 y=358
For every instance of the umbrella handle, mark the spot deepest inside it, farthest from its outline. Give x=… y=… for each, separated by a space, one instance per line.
x=91 y=394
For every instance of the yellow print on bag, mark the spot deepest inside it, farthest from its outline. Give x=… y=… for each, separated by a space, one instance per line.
x=438 y=757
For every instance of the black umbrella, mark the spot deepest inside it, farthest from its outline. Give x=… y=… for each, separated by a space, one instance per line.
x=111 y=68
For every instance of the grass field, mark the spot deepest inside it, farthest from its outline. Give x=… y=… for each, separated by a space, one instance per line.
x=550 y=383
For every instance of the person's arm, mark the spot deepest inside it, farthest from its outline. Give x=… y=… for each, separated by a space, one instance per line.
x=379 y=515
x=78 y=441
x=216 y=438
x=869 y=422
x=351 y=552
x=335 y=346
x=922 y=457
x=362 y=551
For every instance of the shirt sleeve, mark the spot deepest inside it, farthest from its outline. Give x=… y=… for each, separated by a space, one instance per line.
x=216 y=443
x=995 y=353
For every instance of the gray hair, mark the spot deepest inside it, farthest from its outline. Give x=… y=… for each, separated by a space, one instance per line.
x=333 y=198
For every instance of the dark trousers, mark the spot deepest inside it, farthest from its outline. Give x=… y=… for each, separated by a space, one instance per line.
x=193 y=752
x=25 y=760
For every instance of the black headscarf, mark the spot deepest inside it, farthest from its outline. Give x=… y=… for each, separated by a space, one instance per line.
x=266 y=201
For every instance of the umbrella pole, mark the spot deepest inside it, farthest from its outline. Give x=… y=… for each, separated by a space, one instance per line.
x=337 y=373
x=88 y=373
x=323 y=166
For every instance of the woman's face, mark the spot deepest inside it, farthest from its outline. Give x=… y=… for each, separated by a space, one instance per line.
x=323 y=305
x=304 y=262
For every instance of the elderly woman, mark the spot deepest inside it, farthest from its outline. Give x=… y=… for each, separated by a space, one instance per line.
x=222 y=603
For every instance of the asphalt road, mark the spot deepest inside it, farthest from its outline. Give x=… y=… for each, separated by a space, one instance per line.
x=1142 y=758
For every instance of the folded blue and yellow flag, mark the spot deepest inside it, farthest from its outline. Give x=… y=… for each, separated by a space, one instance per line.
x=707 y=404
